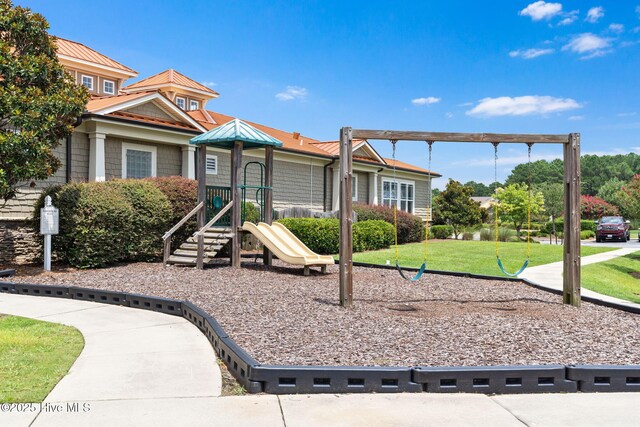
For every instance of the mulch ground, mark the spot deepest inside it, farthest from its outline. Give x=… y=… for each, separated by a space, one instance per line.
x=281 y=317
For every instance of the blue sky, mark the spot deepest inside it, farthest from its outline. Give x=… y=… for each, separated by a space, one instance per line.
x=466 y=66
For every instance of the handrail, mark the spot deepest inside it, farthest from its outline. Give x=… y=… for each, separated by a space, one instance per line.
x=214 y=219
x=182 y=221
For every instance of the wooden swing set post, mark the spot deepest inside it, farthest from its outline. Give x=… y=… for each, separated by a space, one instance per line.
x=571 y=143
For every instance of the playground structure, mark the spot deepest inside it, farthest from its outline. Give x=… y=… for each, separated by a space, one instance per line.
x=220 y=210
x=571 y=157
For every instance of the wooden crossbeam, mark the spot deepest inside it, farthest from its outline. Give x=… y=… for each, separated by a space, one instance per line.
x=460 y=137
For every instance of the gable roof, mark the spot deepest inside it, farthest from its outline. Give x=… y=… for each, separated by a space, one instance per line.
x=236 y=130
x=409 y=167
x=114 y=106
x=170 y=77
x=367 y=152
x=68 y=49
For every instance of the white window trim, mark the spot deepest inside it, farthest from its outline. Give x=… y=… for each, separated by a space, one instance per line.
x=184 y=100
x=104 y=89
x=129 y=146
x=354 y=194
x=191 y=102
x=207 y=169
x=399 y=181
x=82 y=76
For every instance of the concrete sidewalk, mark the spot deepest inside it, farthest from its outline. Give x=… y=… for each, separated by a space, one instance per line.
x=141 y=368
x=550 y=275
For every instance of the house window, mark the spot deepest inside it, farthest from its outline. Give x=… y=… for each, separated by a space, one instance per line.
x=87 y=81
x=354 y=188
x=181 y=102
x=194 y=105
x=212 y=165
x=399 y=193
x=138 y=161
x=109 y=87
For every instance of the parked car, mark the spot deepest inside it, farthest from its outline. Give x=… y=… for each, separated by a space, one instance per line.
x=613 y=228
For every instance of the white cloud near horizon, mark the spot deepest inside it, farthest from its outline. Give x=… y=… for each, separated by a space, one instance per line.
x=576 y=118
x=291 y=93
x=629 y=114
x=589 y=45
x=426 y=101
x=522 y=106
x=210 y=84
x=616 y=28
x=594 y=14
x=530 y=53
x=541 y=10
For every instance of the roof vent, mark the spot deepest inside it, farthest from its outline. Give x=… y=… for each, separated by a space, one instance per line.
x=296 y=135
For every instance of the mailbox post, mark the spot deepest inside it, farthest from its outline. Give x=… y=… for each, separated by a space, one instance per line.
x=49 y=220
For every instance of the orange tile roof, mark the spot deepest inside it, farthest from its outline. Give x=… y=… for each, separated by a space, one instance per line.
x=409 y=167
x=333 y=147
x=302 y=143
x=151 y=120
x=82 y=52
x=99 y=103
x=170 y=76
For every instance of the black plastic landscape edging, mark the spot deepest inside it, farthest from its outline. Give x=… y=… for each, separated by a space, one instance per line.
x=282 y=379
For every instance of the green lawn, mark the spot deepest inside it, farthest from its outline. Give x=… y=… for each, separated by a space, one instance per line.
x=34 y=356
x=614 y=277
x=471 y=256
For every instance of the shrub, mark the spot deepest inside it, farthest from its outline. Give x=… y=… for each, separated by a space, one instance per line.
x=321 y=235
x=441 y=231
x=487 y=235
x=151 y=220
x=372 y=235
x=410 y=227
x=586 y=234
x=506 y=235
x=250 y=212
x=182 y=195
x=585 y=225
x=96 y=224
x=467 y=235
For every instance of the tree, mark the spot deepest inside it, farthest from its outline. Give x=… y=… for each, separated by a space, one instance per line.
x=553 y=194
x=456 y=208
x=39 y=101
x=515 y=203
x=479 y=189
x=594 y=208
x=631 y=198
x=611 y=192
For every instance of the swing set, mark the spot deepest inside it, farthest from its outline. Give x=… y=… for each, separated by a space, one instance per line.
x=571 y=151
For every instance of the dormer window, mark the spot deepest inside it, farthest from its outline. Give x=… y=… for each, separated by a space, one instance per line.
x=87 y=81
x=181 y=102
x=109 y=87
x=194 y=105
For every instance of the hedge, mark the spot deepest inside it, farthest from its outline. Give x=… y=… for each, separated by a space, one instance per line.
x=410 y=227
x=441 y=231
x=182 y=195
x=102 y=223
x=321 y=235
x=585 y=225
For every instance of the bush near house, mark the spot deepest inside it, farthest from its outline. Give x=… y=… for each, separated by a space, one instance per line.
x=106 y=222
x=441 y=231
x=321 y=235
x=594 y=208
x=585 y=225
x=182 y=195
x=410 y=227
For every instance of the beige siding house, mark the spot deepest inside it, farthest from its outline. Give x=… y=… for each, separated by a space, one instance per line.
x=143 y=129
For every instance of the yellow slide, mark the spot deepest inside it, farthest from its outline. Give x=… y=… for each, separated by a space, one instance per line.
x=286 y=246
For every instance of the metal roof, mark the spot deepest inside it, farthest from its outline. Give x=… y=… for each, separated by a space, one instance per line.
x=236 y=130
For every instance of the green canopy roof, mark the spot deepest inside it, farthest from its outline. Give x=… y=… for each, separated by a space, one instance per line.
x=236 y=130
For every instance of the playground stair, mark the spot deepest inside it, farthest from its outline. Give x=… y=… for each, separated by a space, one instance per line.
x=214 y=239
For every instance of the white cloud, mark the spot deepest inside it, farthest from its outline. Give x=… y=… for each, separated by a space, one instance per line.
x=506 y=160
x=629 y=114
x=426 y=101
x=635 y=30
x=616 y=28
x=541 y=10
x=530 y=53
x=589 y=45
x=594 y=14
x=569 y=18
x=522 y=106
x=291 y=93
x=210 y=84
x=576 y=118
x=449 y=115
x=638 y=10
